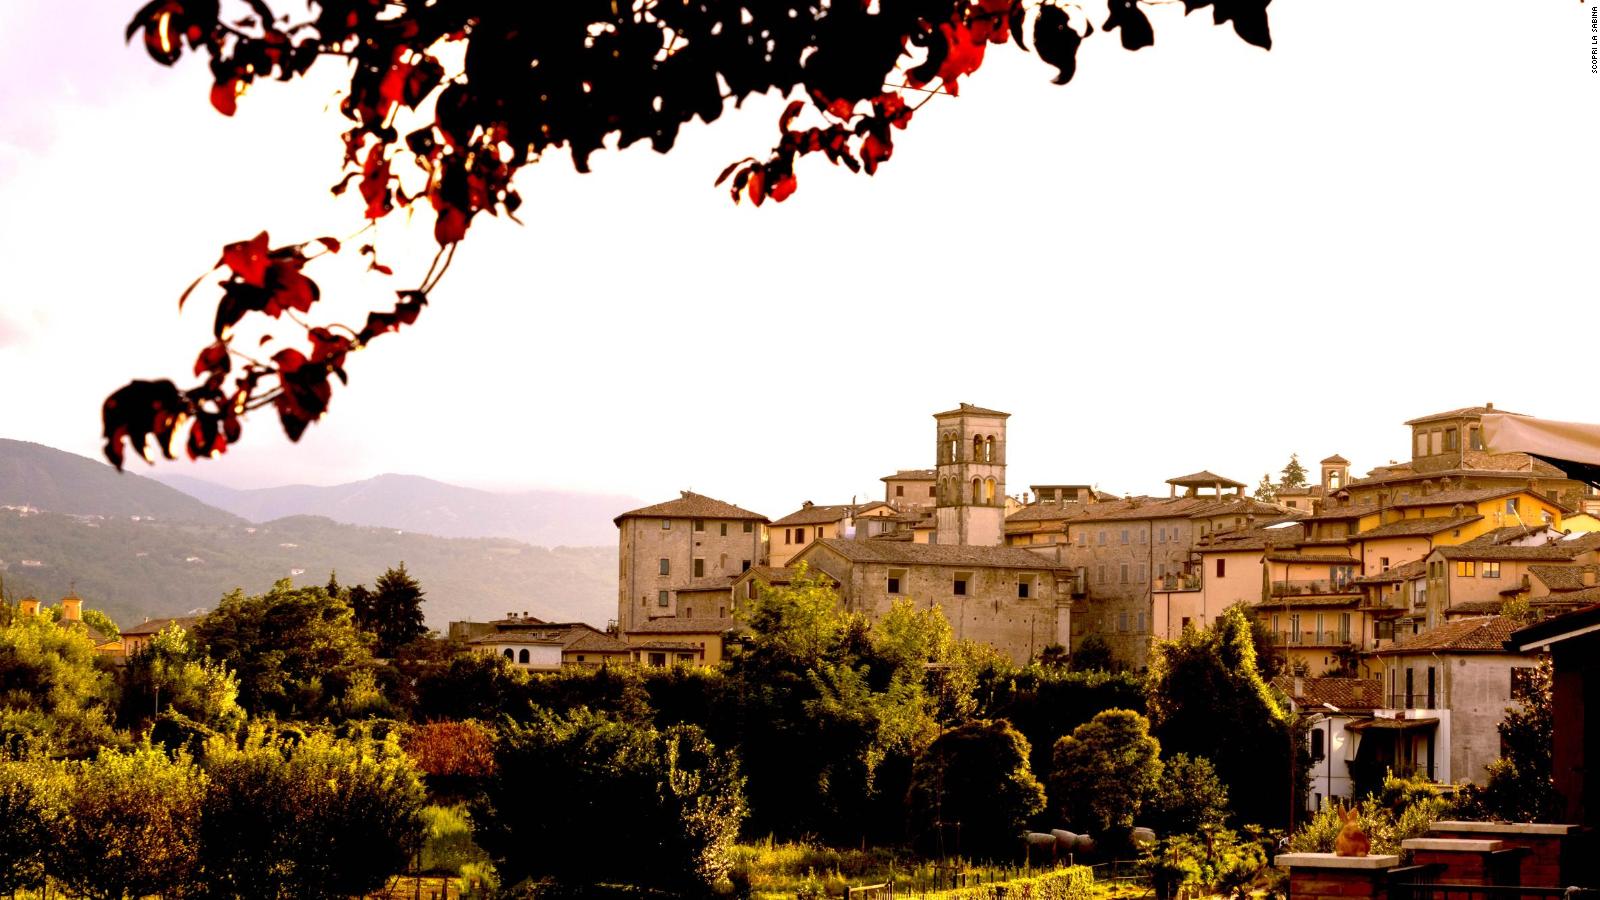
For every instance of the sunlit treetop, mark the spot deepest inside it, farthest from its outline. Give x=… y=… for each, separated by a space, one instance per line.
x=448 y=99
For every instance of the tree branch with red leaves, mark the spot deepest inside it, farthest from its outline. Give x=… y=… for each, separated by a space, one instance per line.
x=536 y=77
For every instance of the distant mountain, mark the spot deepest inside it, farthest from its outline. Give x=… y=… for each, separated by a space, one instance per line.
x=412 y=503
x=133 y=570
x=42 y=477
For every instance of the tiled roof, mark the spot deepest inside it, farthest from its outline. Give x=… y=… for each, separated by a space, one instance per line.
x=912 y=475
x=691 y=506
x=1418 y=527
x=936 y=554
x=967 y=409
x=1563 y=578
x=156 y=626
x=1464 y=412
x=1396 y=574
x=811 y=514
x=1483 y=634
x=697 y=625
x=1345 y=693
x=1243 y=506
x=772 y=574
x=1553 y=551
x=1299 y=601
x=594 y=642
x=715 y=583
x=1445 y=498
x=1335 y=460
x=1046 y=511
x=1203 y=478
x=1258 y=538
x=1326 y=558
x=665 y=645
x=1404 y=473
x=1555 y=604
x=519 y=637
x=1348 y=511
x=1141 y=508
x=1505 y=534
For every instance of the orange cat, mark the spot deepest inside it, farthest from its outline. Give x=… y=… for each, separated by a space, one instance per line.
x=1352 y=841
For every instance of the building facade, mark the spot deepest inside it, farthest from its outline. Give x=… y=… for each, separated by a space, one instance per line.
x=675 y=546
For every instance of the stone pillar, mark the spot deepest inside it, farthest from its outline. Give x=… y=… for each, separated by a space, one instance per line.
x=1457 y=860
x=1324 y=876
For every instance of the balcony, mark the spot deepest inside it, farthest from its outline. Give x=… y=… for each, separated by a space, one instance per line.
x=1313 y=638
x=1314 y=586
x=1175 y=583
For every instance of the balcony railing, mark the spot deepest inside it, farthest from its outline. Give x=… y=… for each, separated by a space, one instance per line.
x=1313 y=638
x=1176 y=583
x=1417 y=699
x=1313 y=586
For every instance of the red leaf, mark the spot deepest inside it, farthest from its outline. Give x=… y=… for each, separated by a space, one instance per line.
x=783 y=187
x=758 y=185
x=248 y=259
x=213 y=359
x=331 y=243
x=789 y=114
x=451 y=225
x=225 y=96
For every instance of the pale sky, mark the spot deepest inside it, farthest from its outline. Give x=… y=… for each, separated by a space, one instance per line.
x=1200 y=255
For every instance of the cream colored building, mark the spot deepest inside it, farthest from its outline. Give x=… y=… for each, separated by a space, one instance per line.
x=675 y=546
x=791 y=534
x=911 y=489
x=971 y=476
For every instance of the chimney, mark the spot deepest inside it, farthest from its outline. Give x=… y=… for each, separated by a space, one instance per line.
x=71 y=609
x=29 y=606
x=806 y=505
x=1299 y=687
x=1316 y=507
x=1489 y=407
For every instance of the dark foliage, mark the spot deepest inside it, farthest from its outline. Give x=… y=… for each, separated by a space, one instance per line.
x=1045 y=704
x=973 y=791
x=533 y=78
x=395 y=612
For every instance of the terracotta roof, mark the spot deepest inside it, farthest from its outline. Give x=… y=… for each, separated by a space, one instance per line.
x=1396 y=574
x=1141 y=508
x=1544 y=606
x=1553 y=551
x=1404 y=473
x=594 y=642
x=1580 y=621
x=1476 y=495
x=967 y=409
x=1245 y=506
x=1464 y=412
x=1563 y=578
x=1335 y=460
x=1505 y=534
x=1418 y=527
x=1258 y=538
x=665 y=645
x=1326 y=558
x=518 y=637
x=1345 y=693
x=1348 y=511
x=1046 y=511
x=893 y=552
x=1300 y=601
x=156 y=626
x=697 y=625
x=690 y=506
x=811 y=514
x=1203 y=478
x=912 y=475
x=1483 y=634
x=772 y=574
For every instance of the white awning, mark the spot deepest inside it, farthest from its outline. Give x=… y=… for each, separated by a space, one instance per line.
x=1573 y=447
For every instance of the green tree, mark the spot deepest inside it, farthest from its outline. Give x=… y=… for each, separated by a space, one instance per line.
x=1105 y=771
x=973 y=790
x=1094 y=655
x=55 y=695
x=131 y=827
x=314 y=817
x=1188 y=797
x=395 y=612
x=296 y=651
x=584 y=798
x=102 y=623
x=1266 y=491
x=171 y=674
x=1207 y=698
x=1294 y=474
x=32 y=801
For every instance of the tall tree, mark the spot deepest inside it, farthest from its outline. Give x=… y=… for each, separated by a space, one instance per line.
x=395 y=613
x=172 y=675
x=296 y=650
x=1294 y=474
x=536 y=77
x=1266 y=491
x=1207 y=699
x=1521 y=786
x=55 y=696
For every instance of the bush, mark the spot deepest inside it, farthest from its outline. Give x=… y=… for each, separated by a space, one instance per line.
x=587 y=798
x=1104 y=772
x=32 y=801
x=1188 y=797
x=1402 y=808
x=977 y=778
x=1070 y=883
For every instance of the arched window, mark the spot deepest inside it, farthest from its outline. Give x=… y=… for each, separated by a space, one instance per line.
x=988 y=492
x=522 y=656
x=509 y=654
x=977 y=448
x=988 y=449
x=950 y=445
x=977 y=491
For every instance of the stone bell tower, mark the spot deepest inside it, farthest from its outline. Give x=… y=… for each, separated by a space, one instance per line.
x=971 y=476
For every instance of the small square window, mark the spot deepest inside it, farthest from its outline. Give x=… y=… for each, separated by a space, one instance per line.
x=960 y=586
x=1124 y=535
x=666 y=524
x=894 y=584
x=899 y=490
x=665 y=566
x=749 y=527
x=723 y=527
x=744 y=565
x=699 y=524
x=1491 y=570
x=699 y=567
x=661 y=598
x=1466 y=568
x=1124 y=572
x=1023 y=589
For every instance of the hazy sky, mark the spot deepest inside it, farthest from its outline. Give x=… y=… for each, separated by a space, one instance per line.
x=1200 y=255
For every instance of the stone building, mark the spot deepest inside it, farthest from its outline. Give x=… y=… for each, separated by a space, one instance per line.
x=1006 y=597
x=911 y=489
x=790 y=534
x=677 y=545
x=971 y=476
